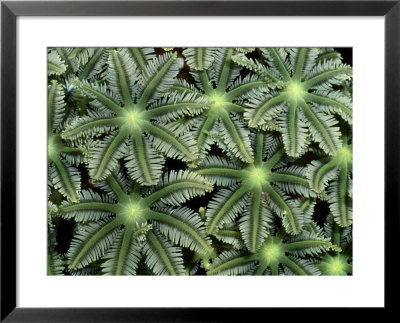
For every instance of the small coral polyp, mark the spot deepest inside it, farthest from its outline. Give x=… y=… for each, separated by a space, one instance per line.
x=335 y=265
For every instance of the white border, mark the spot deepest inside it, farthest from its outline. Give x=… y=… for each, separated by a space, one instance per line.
x=364 y=288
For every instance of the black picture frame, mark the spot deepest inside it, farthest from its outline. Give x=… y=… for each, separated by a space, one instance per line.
x=10 y=10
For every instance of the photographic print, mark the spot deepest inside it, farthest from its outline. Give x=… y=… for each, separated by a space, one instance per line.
x=200 y=161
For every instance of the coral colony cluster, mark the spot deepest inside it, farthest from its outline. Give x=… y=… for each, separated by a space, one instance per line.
x=194 y=161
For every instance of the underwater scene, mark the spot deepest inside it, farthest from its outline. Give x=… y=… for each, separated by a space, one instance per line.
x=199 y=161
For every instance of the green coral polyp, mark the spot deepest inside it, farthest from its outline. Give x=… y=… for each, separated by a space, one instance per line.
x=335 y=265
x=132 y=213
x=131 y=103
x=308 y=101
x=263 y=182
x=222 y=88
x=276 y=251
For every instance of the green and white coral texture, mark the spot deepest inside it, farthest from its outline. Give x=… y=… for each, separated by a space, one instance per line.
x=199 y=161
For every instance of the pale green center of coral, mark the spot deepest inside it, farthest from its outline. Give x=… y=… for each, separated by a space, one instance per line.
x=131 y=213
x=51 y=149
x=295 y=89
x=257 y=175
x=272 y=251
x=217 y=101
x=133 y=118
x=53 y=146
x=336 y=266
x=344 y=155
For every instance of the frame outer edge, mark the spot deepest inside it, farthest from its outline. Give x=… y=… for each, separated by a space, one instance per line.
x=9 y=11
x=203 y=8
x=8 y=161
x=392 y=149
